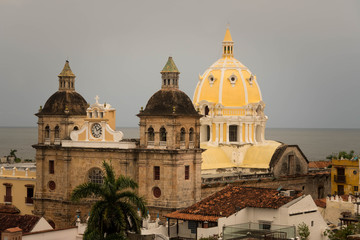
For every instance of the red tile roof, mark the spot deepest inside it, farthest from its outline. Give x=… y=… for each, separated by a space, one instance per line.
x=7 y=208
x=320 y=202
x=25 y=222
x=15 y=229
x=319 y=164
x=230 y=200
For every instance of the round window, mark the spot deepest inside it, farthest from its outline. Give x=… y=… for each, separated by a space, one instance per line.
x=52 y=185
x=156 y=192
x=354 y=172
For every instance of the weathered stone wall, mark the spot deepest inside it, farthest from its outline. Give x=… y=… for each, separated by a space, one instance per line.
x=309 y=184
x=291 y=162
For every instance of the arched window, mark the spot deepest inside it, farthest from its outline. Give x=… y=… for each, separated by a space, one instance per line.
x=233 y=130
x=162 y=134
x=207 y=133
x=191 y=135
x=57 y=132
x=76 y=128
x=207 y=110
x=182 y=135
x=47 y=132
x=151 y=134
x=164 y=81
x=96 y=176
x=168 y=81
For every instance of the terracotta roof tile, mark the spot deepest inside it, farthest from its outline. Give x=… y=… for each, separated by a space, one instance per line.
x=15 y=229
x=7 y=208
x=229 y=201
x=319 y=164
x=25 y=222
x=320 y=202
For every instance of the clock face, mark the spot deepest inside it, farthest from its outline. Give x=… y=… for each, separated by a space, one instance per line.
x=96 y=130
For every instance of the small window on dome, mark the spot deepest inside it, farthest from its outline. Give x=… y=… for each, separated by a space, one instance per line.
x=233 y=79
x=251 y=79
x=211 y=79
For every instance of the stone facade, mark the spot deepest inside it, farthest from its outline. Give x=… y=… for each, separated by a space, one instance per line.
x=316 y=185
x=289 y=160
x=166 y=165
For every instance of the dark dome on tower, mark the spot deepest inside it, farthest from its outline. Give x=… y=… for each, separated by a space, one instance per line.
x=62 y=101
x=66 y=100
x=169 y=102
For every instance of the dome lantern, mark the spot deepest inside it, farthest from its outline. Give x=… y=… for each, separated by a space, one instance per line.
x=228 y=44
x=66 y=78
x=170 y=75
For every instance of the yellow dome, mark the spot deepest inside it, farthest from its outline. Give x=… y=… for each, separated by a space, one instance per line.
x=227 y=82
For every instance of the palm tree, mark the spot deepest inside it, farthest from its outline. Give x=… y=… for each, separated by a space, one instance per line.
x=115 y=211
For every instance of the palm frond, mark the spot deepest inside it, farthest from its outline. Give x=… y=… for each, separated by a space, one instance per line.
x=123 y=183
x=86 y=190
x=115 y=211
x=138 y=202
x=110 y=175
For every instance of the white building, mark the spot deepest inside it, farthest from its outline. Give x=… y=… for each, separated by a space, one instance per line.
x=243 y=211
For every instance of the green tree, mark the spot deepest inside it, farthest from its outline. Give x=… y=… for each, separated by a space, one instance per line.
x=115 y=211
x=12 y=154
x=341 y=154
x=342 y=233
x=303 y=231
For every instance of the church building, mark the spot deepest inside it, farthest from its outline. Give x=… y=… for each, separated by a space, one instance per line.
x=186 y=151
x=232 y=130
x=74 y=138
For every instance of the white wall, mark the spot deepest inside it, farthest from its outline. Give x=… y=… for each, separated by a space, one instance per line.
x=335 y=206
x=307 y=204
x=206 y=232
x=42 y=225
x=184 y=231
x=68 y=234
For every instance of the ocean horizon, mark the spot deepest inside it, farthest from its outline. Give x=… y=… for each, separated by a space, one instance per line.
x=316 y=143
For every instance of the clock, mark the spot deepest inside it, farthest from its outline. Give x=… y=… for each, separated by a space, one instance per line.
x=96 y=130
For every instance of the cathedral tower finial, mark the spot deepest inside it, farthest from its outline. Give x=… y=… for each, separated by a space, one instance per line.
x=228 y=44
x=66 y=78
x=170 y=75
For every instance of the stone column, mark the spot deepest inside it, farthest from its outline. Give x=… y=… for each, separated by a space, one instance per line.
x=221 y=132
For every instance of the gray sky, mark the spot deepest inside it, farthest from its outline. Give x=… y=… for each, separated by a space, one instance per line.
x=305 y=54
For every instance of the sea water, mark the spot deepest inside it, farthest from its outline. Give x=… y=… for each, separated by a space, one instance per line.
x=315 y=143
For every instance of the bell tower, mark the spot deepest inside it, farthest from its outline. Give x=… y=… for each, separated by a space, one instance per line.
x=169 y=165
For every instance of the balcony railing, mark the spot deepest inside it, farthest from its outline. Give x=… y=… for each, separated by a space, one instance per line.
x=29 y=200
x=8 y=199
x=340 y=178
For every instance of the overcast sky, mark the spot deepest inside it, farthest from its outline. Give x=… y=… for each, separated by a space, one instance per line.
x=305 y=54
